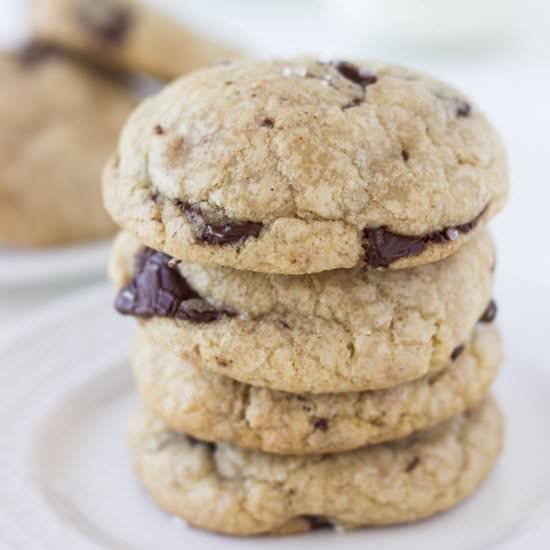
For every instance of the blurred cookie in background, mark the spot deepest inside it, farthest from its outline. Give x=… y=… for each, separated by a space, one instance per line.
x=124 y=35
x=60 y=120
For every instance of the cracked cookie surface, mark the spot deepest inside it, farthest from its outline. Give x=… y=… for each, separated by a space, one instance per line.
x=60 y=120
x=300 y=166
x=336 y=331
x=229 y=490
x=215 y=408
x=124 y=34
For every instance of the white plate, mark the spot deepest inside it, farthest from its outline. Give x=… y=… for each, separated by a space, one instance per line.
x=40 y=267
x=65 y=476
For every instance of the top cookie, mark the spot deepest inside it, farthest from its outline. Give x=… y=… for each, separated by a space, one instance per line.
x=123 y=34
x=301 y=166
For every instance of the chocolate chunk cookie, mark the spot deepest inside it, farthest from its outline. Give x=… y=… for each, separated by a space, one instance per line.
x=60 y=120
x=124 y=34
x=213 y=407
x=302 y=166
x=336 y=331
x=229 y=490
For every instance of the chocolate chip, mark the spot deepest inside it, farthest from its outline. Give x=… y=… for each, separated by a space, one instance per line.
x=320 y=424
x=36 y=52
x=220 y=233
x=363 y=77
x=107 y=20
x=412 y=464
x=317 y=522
x=490 y=313
x=405 y=155
x=158 y=290
x=457 y=352
x=382 y=247
x=463 y=108
x=267 y=123
x=159 y=130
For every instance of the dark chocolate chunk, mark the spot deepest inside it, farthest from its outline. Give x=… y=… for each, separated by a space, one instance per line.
x=219 y=233
x=106 y=20
x=363 y=77
x=159 y=290
x=36 y=52
x=412 y=464
x=267 y=123
x=457 y=352
x=317 y=522
x=405 y=155
x=320 y=424
x=383 y=247
x=159 y=130
x=490 y=313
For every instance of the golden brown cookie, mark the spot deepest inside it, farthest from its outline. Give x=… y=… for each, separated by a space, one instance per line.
x=124 y=34
x=296 y=167
x=336 y=331
x=212 y=407
x=60 y=120
x=228 y=490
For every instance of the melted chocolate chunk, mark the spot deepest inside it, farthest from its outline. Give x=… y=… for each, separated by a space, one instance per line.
x=107 y=20
x=267 y=123
x=490 y=313
x=36 y=52
x=412 y=464
x=219 y=233
x=405 y=155
x=317 y=522
x=363 y=77
x=159 y=130
x=320 y=424
x=383 y=247
x=457 y=352
x=159 y=290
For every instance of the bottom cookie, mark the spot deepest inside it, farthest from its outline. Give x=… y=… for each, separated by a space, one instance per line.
x=226 y=489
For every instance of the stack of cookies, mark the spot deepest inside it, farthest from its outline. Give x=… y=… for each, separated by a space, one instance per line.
x=304 y=246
